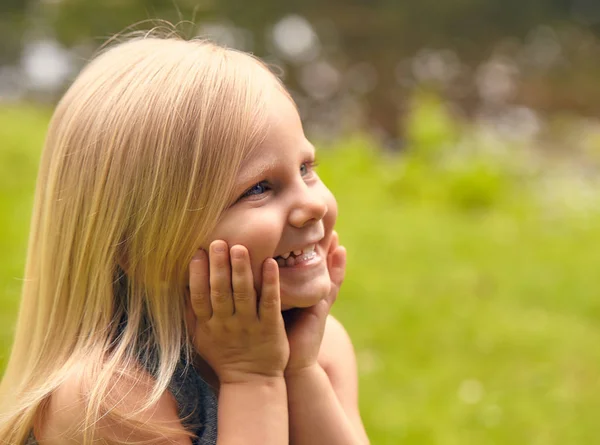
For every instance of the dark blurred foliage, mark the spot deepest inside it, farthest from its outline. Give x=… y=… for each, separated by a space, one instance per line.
x=366 y=54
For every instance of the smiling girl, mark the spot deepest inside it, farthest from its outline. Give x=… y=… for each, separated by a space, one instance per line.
x=177 y=214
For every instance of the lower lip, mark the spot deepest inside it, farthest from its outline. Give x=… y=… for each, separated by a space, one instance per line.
x=303 y=264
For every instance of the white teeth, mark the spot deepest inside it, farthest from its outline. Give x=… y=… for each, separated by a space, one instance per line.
x=283 y=259
x=305 y=257
x=300 y=256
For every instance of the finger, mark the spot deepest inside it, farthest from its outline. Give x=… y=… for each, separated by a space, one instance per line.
x=269 y=307
x=199 y=286
x=220 y=280
x=337 y=270
x=338 y=265
x=334 y=243
x=244 y=295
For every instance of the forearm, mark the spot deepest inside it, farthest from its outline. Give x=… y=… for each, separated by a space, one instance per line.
x=316 y=415
x=253 y=413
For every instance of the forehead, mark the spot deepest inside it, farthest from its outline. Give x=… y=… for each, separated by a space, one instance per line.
x=284 y=140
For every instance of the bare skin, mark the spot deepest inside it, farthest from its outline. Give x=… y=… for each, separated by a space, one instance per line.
x=281 y=205
x=242 y=338
x=320 y=383
x=279 y=381
x=247 y=350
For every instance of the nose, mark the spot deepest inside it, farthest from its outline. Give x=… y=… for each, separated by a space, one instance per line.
x=310 y=206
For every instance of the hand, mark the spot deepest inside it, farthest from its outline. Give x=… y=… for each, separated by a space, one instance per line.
x=239 y=339
x=305 y=327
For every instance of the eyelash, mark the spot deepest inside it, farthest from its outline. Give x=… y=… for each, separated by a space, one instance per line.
x=310 y=166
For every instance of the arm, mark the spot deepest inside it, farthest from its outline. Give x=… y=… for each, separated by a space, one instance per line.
x=323 y=398
x=253 y=412
x=247 y=349
x=243 y=339
x=321 y=376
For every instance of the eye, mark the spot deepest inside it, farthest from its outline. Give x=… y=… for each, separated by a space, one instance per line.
x=307 y=167
x=256 y=189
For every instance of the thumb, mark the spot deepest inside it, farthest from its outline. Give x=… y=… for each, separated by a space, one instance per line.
x=337 y=266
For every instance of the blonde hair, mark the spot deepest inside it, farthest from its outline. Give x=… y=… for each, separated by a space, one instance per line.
x=139 y=163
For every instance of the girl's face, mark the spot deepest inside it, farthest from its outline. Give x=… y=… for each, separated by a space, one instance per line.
x=282 y=206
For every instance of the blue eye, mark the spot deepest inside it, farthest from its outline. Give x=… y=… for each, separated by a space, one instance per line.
x=307 y=167
x=256 y=189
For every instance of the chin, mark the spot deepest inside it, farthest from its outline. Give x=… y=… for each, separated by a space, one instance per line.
x=304 y=296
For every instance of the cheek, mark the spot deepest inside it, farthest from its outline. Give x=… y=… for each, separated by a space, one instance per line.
x=260 y=232
x=261 y=241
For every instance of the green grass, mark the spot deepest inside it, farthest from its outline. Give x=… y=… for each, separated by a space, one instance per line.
x=22 y=131
x=474 y=311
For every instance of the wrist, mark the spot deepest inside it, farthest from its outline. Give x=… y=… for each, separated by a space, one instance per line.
x=264 y=382
x=250 y=379
x=303 y=372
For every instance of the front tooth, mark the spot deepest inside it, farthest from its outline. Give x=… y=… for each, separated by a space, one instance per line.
x=297 y=252
x=309 y=249
x=285 y=256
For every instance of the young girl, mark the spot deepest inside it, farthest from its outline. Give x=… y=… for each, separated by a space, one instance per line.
x=177 y=217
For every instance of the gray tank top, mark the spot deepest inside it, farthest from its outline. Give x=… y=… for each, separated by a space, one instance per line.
x=196 y=403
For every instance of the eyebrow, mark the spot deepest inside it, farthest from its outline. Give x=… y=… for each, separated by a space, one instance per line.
x=256 y=173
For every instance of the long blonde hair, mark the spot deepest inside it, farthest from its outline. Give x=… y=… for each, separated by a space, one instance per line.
x=138 y=164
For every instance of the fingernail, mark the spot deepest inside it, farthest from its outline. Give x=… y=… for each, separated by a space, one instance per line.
x=237 y=253
x=219 y=247
x=270 y=266
x=199 y=254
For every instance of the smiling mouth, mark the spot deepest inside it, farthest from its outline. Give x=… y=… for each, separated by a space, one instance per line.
x=296 y=257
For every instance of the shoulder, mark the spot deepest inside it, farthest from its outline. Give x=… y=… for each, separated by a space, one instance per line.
x=61 y=420
x=336 y=350
x=338 y=360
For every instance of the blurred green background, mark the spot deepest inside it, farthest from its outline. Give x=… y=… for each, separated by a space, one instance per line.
x=462 y=141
